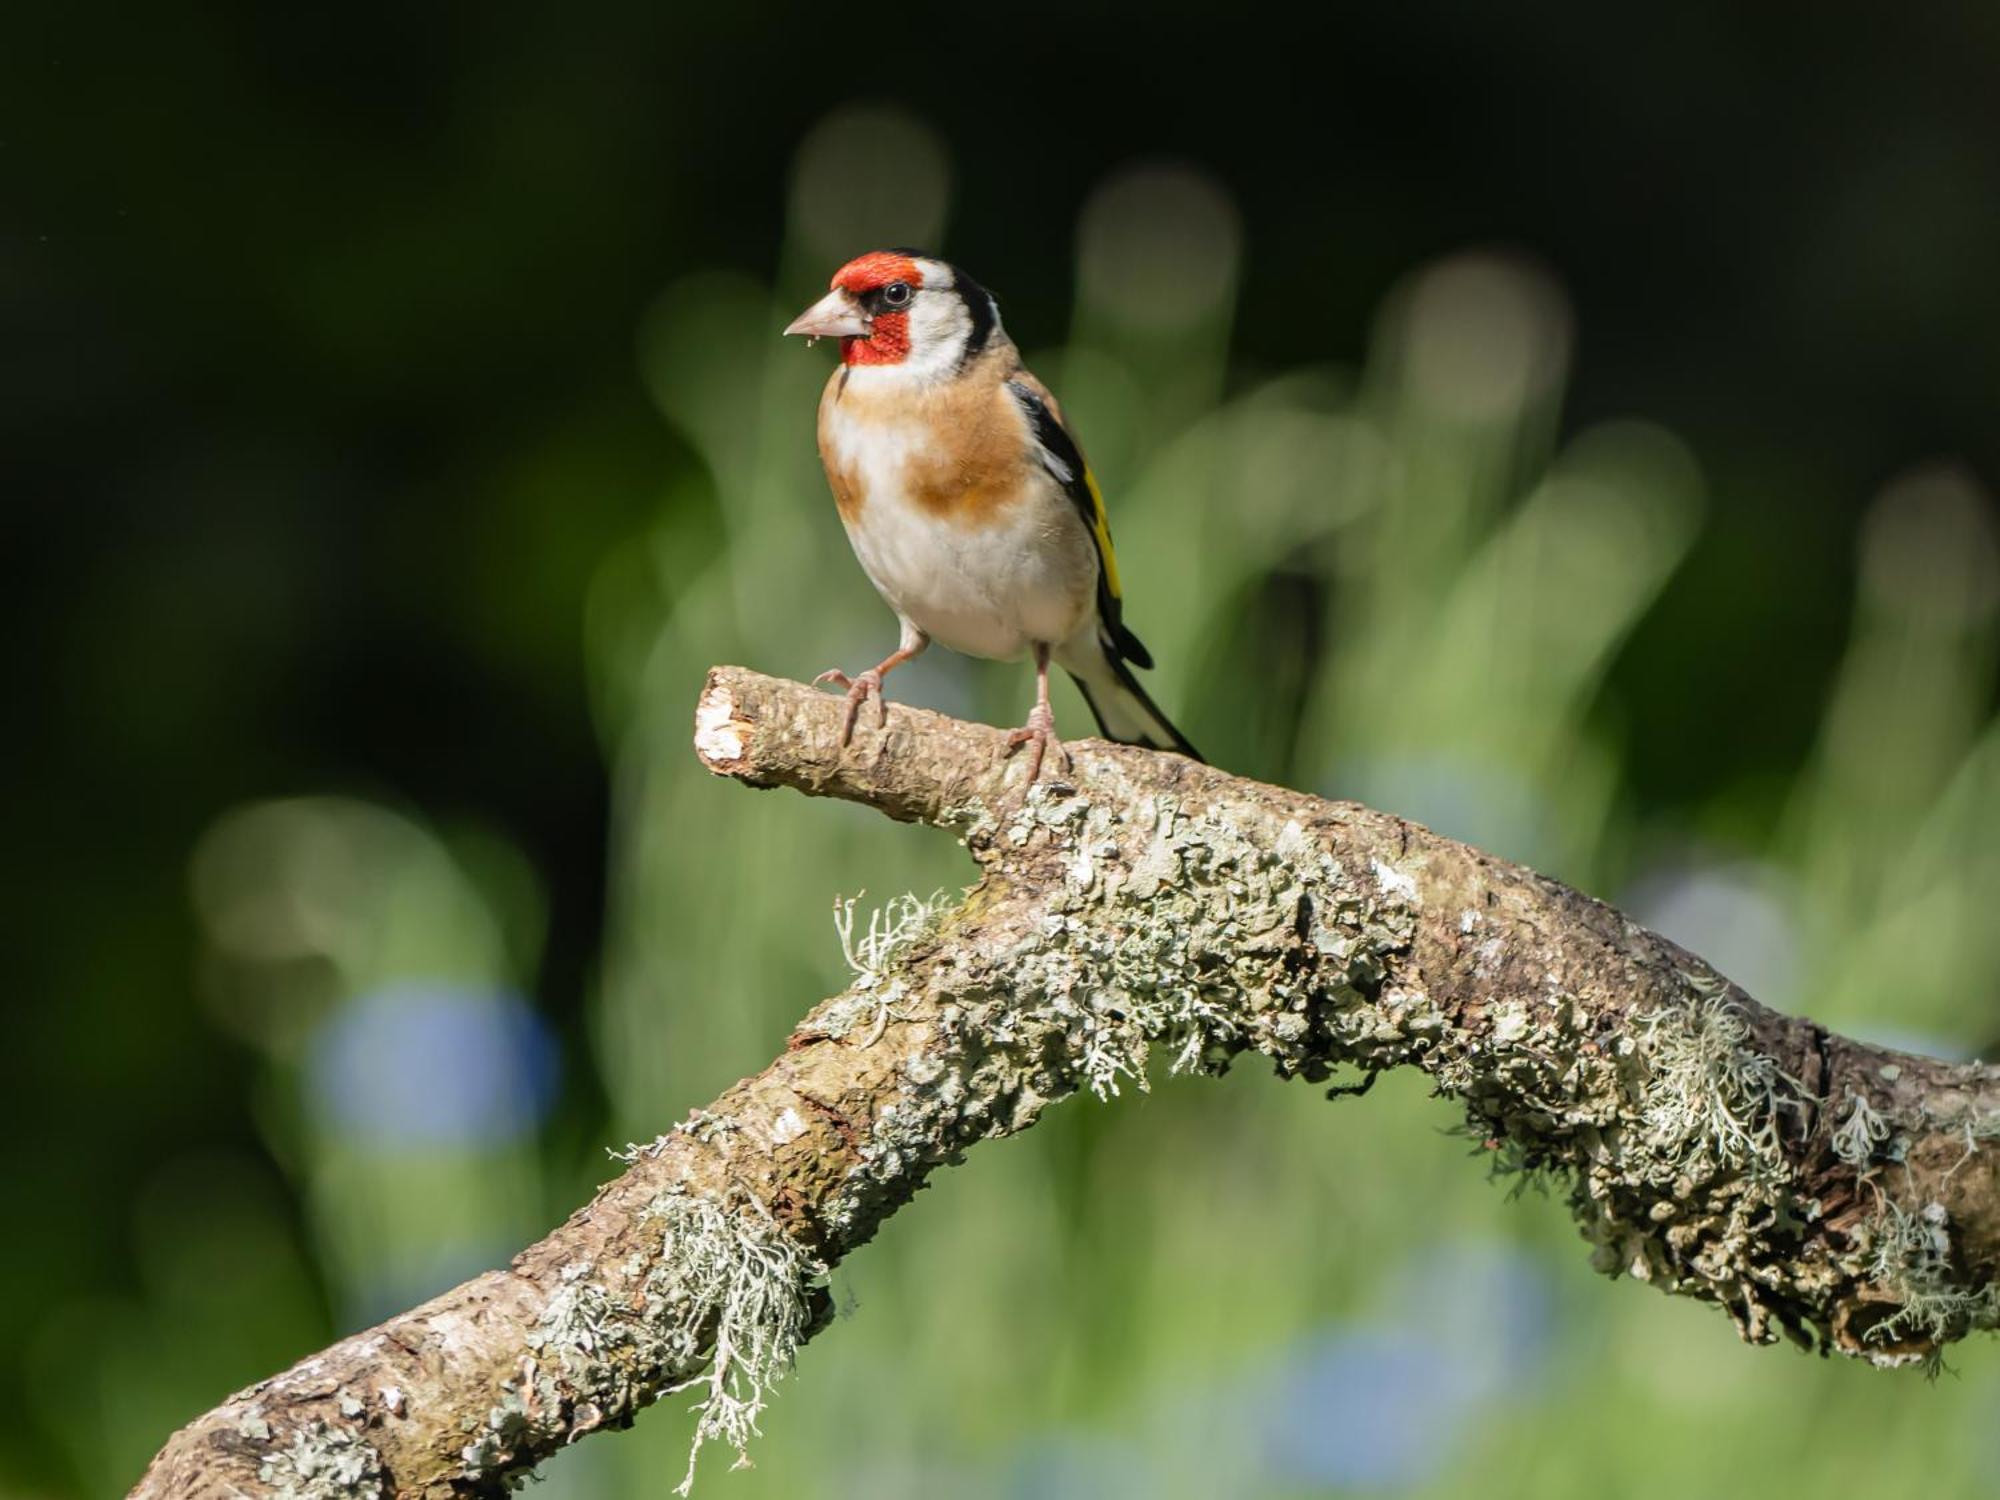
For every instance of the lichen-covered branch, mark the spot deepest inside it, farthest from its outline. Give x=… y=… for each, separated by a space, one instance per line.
x=1844 y=1195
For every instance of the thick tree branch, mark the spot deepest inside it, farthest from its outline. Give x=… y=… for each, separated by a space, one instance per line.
x=1845 y=1195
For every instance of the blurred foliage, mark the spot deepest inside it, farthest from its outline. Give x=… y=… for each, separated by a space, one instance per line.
x=344 y=965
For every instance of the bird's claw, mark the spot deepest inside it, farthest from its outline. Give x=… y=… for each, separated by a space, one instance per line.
x=859 y=690
x=1039 y=731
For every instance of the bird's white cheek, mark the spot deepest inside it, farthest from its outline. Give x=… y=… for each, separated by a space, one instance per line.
x=937 y=337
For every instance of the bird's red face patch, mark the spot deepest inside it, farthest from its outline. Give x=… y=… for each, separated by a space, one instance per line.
x=888 y=342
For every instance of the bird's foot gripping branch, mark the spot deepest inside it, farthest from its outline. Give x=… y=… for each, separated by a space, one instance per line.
x=1843 y=1195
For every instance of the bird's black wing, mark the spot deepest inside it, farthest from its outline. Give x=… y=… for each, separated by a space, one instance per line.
x=1065 y=461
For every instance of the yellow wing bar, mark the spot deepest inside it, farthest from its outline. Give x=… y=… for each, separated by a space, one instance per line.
x=1102 y=525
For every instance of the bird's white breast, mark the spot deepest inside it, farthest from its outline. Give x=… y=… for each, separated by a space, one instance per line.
x=1011 y=566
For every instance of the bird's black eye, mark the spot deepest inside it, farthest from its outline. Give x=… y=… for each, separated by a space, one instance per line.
x=896 y=294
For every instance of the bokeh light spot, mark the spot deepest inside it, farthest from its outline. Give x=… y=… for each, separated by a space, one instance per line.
x=419 y=1066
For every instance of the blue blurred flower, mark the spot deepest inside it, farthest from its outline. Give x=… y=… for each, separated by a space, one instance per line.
x=1385 y=1405
x=1490 y=1303
x=1364 y=1408
x=419 y=1066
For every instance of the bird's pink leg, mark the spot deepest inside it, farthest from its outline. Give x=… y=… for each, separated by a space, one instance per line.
x=1040 y=730
x=869 y=683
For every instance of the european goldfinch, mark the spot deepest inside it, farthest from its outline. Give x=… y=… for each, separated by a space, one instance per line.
x=967 y=500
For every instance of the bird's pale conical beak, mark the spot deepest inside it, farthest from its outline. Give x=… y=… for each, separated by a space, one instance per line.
x=835 y=316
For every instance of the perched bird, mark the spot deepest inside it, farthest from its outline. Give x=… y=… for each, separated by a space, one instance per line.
x=967 y=500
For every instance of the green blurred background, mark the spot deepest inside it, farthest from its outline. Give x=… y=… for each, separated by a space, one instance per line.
x=1574 y=429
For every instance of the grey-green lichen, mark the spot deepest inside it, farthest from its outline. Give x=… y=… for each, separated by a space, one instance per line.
x=1174 y=925
x=1861 y=1133
x=1711 y=1099
x=893 y=928
x=1911 y=1259
x=721 y=1306
x=1173 y=929
x=735 y=1276
x=1698 y=1196
x=319 y=1462
x=700 y=1125
x=1688 y=1184
x=872 y=952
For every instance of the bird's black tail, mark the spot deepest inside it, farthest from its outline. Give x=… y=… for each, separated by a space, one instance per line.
x=1123 y=710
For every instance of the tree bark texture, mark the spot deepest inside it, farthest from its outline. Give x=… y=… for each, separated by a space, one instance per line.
x=1840 y=1194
